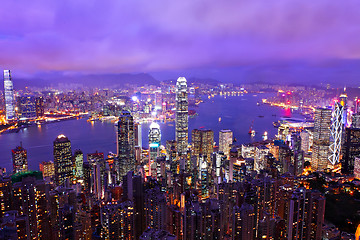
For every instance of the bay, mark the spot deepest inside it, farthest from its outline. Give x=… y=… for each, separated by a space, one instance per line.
x=236 y=112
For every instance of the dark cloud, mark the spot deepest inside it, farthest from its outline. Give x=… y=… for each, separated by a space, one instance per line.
x=128 y=36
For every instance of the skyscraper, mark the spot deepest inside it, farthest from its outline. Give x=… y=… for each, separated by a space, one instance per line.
x=350 y=150
x=181 y=121
x=62 y=160
x=125 y=144
x=225 y=140
x=9 y=96
x=19 y=158
x=79 y=162
x=154 y=145
x=321 y=144
x=202 y=143
x=336 y=129
x=39 y=106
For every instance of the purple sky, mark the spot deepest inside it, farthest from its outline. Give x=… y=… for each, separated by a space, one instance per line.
x=153 y=36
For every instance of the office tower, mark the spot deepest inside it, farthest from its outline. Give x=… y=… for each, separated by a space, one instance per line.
x=63 y=160
x=336 y=130
x=154 y=145
x=78 y=161
x=305 y=137
x=9 y=96
x=39 y=106
x=125 y=145
x=260 y=161
x=202 y=143
x=98 y=167
x=357 y=167
x=171 y=149
x=27 y=107
x=14 y=226
x=297 y=155
x=30 y=198
x=47 y=169
x=321 y=139
x=138 y=134
x=225 y=141
x=181 y=119
x=19 y=158
x=351 y=149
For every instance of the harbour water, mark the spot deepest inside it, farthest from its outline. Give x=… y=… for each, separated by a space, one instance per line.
x=236 y=113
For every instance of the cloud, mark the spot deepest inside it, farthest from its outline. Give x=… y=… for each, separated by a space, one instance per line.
x=126 y=36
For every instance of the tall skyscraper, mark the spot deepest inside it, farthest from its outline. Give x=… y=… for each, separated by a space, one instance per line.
x=202 y=143
x=63 y=160
x=154 y=146
x=19 y=158
x=9 y=96
x=225 y=140
x=138 y=134
x=350 y=150
x=39 y=106
x=336 y=129
x=79 y=162
x=125 y=144
x=321 y=139
x=181 y=121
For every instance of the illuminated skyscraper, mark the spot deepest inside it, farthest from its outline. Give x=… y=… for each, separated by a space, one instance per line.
x=154 y=145
x=350 y=150
x=337 y=126
x=125 y=144
x=202 y=143
x=19 y=157
x=63 y=160
x=225 y=140
x=321 y=144
x=181 y=121
x=79 y=162
x=9 y=96
x=39 y=106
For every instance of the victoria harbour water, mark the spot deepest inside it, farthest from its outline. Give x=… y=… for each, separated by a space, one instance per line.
x=235 y=113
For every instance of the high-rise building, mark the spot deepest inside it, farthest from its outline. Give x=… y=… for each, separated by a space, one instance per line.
x=181 y=120
x=27 y=107
x=79 y=162
x=350 y=150
x=202 y=143
x=63 y=160
x=138 y=134
x=154 y=146
x=125 y=145
x=30 y=198
x=225 y=141
x=355 y=121
x=321 y=139
x=19 y=158
x=39 y=106
x=336 y=130
x=9 y=96
x=357 y=167
x=47 y=169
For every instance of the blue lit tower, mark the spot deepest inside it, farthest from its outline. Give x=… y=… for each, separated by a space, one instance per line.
x=181 y=121
x=154 y=143
x=9 y=96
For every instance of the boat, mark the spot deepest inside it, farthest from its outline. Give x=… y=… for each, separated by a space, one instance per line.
x=260 y=116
